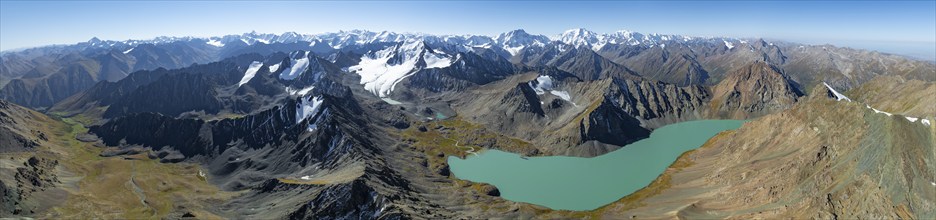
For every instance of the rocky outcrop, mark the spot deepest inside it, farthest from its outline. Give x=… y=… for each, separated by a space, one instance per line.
x=19 y=128
x=754 y=90
x=35 y=175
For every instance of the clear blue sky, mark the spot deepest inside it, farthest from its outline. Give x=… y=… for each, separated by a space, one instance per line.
x=865 y=24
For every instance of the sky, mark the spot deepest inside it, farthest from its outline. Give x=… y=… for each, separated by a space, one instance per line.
x=902 y=27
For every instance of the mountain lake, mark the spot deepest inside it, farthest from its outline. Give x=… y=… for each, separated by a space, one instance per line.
x=577 y=183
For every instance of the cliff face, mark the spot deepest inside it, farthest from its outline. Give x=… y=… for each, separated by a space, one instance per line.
x=656 y=102
x=753 y=90
x=819 y=159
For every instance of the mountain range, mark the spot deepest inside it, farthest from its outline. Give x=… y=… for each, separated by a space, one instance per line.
x=358 y=124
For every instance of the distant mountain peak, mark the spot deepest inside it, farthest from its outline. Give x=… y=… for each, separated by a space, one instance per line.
x=581 y=37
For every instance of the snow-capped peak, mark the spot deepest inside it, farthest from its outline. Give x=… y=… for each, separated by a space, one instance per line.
x=580 y=37
x=516 y=40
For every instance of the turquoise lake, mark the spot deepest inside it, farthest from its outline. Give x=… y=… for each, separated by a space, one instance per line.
x=575 y=183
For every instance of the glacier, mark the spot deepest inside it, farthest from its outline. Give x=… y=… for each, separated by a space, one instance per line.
x=379 y=74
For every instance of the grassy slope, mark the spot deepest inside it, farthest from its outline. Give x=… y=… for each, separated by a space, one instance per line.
x=98 y=187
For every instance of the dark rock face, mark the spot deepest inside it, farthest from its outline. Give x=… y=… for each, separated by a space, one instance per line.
x=650 y=99
x=344 y=59
x=532 y=103
x=186 y=92
x=611 y=125
x=154 y=130
x=355 y=200
x=443 y=170
x=490 y=190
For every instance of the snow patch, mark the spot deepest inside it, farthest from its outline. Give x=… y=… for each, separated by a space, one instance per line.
x=514 y=50
x=300 y=92
x=882 y=112
x=274 y=67
x=563 y=95
x=911 y=119
x=729 y=45
x=216 y=43
x=307 y=108
x=435 y=60
x=251 y=72
x=391 y=101
x=128 y=51
x=838 y=96
x=298 y=66
x=541 y=84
